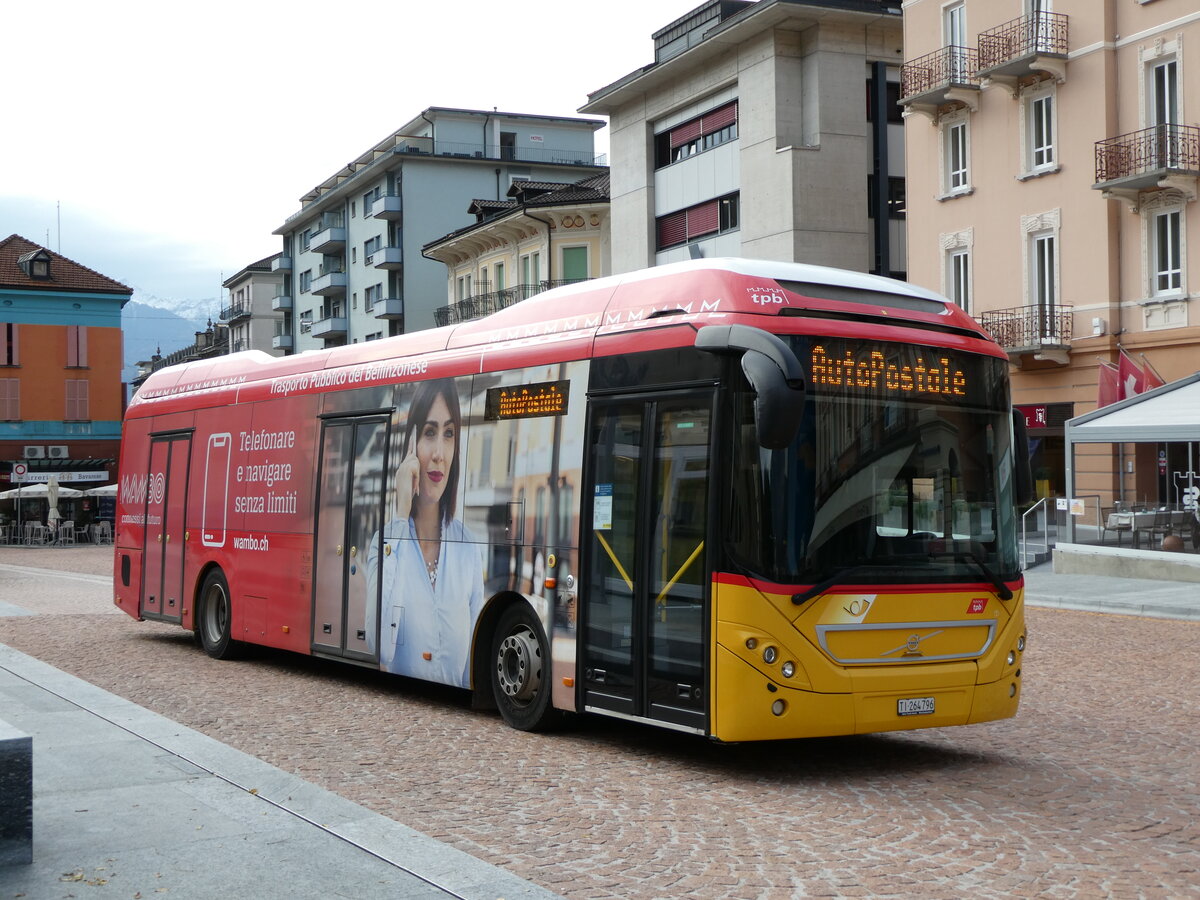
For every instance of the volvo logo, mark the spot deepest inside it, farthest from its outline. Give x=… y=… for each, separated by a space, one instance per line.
x=912 y=646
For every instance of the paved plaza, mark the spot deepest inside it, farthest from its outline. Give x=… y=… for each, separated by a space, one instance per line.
x=1093 y=790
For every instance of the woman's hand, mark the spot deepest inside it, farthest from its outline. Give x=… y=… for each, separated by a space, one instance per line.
x=408 y=484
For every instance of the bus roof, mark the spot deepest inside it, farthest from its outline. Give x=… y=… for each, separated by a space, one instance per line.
x=704 y=289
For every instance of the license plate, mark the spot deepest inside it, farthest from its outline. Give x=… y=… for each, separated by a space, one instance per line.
x=914 y=706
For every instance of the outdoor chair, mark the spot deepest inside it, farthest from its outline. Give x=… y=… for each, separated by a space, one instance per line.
x=81 y=533
x=1162 y=525
x=66 y=533
x=1120 y=527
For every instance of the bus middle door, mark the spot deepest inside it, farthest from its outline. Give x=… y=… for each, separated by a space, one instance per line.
x=166 y=505
x=349 y=519
x=645 y=585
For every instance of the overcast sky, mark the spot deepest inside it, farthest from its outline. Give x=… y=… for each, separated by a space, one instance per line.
x=161 y=143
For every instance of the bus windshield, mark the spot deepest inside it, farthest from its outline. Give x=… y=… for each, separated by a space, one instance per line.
x=901 y=471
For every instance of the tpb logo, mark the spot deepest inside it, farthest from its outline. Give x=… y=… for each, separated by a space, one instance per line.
x=767 y=296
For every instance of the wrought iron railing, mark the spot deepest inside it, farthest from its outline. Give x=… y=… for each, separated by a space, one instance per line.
x=1158 y=147
x=235 y=310
x=947 y=67
x=493 y=301
x=1024 y=327
x=1039 y=32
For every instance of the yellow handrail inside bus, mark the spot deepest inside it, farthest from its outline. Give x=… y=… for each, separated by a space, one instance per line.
x=661 y=599
x=613 y=557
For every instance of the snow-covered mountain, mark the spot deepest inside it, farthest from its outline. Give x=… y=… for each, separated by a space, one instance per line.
x=150 y=325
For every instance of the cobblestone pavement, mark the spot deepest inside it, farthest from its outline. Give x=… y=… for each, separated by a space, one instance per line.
x=1092 y=791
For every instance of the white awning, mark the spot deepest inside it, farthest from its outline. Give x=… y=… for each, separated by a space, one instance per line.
x=1168 y=413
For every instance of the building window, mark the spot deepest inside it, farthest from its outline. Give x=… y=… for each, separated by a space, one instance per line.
x=306 y=321
x=958 y=278
x=9 y=355
x=464 y=287
x=1041 y=133
x=704 y=219
x=531 y=268
x=499 y=269
x=372 y=245
x=955 y=156
x=372 y=295
x=77 y=400
x=1043 y=290
x=10 y=399
x=1167 y=253
x=575 y=263
x=305 y=239
x=717 y=126
x=76 y=346
x=305 y=281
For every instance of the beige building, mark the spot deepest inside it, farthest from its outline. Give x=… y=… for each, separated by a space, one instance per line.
x=541 y=235
x=254 y=308
x=1054 y=157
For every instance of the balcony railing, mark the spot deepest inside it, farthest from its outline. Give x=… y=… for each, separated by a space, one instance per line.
x=928 y=79
x=386 y=206
x=281 y=301
x=281 y=264
x=1140 y=158
x=234 y=311
x=1029 y=328
x=1008 y=48
x=485 y=304
x=463 y=150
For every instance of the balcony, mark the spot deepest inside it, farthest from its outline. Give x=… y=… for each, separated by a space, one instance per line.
x=386 y=207
x=1030 y=45
x=330 y=282
x=388 y=308
x=1164 y=156
x=387 y=258
x=281 y=264
x=282 y=342
x=329 y=239
x=281 y=302
x=329 y=327
x=1038 y=331
x=235 y=312
x=944 y=76
x=426 y=146
x=493 y=301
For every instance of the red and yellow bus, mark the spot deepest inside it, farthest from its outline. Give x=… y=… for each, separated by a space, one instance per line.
x=742 y=499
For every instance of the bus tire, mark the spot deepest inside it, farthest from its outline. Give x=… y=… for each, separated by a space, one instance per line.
x=520 y=670
x=214 y=618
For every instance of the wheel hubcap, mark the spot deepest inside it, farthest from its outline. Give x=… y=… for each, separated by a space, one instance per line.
x=519 y=665
x=216 y=614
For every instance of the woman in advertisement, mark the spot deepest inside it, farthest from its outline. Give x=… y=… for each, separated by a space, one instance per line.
x=432 y=585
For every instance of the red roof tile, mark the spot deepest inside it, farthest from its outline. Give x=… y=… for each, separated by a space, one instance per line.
x=65 y=274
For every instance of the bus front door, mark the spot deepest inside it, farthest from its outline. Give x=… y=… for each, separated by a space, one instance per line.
x=645 y=590
x=349 y=517
x=166 y=503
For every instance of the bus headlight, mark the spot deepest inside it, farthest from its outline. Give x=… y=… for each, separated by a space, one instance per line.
x=778 y=707
x=1012 y=657
x=789 y=669
x=1021 y=643
x=770 y=654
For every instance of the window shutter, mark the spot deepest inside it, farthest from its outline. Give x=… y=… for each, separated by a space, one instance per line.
x=672 y=229
x=719 y=118
x=702 y=219
x=10 y=399
x=686 y=132
x=8 y=345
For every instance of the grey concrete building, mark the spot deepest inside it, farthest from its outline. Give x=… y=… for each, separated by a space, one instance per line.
x=254 y=308
x=760 y=130
x=352 y=262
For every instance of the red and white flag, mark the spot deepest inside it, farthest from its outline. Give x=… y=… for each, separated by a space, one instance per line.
x=1133 y=379
x=1153 y=379
x=1108 y=384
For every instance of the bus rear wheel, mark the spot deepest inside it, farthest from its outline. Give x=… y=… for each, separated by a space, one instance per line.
x=214 y=618
x=521 y=671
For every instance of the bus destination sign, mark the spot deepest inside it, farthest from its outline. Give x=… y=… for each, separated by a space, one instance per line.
x=866 y=367
x=527 y=401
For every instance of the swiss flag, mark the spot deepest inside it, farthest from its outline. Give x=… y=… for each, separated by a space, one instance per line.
x=1152 y=379
x=1108 y=384
x=1133 y=379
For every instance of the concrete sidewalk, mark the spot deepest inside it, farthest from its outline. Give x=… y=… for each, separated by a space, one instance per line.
x=1109 y=594
x=129 y=800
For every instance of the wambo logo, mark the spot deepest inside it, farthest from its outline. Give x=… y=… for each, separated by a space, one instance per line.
x=767 y=296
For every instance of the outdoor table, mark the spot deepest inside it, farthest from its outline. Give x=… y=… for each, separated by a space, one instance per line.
x=1144 y=520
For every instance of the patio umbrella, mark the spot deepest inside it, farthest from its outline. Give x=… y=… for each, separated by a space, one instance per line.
x=107 y=490
x=52 y=514
x=37 y=492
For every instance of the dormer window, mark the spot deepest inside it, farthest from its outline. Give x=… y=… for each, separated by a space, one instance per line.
x=36 y=264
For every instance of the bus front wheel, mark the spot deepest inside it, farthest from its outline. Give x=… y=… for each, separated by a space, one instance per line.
x=214 y=618
x=521 y=670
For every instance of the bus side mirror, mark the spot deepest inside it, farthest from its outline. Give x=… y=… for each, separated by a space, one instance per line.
x=1024 y=475
x=773 y=372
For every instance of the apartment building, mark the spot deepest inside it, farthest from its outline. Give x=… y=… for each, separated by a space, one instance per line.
x=542 y=235
x=61 y=398
x=351 y=262
x=761 y=130
x=254 y=309
x=1053 y=157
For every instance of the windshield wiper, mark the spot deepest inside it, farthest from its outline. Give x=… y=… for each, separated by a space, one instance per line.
x=1003 y=591
x=826 y=583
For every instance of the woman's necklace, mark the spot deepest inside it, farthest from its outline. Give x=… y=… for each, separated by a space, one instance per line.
x=431 y=568
x=431 y=565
